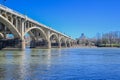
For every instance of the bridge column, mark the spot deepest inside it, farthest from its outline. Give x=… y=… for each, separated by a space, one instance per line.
x=59 y=42
x=48 y=40
x=22 y=47
x=59 y=45
x=5 y=35
x=22 y=34
x=49 y=44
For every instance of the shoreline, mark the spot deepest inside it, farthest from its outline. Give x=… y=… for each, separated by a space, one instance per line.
x=12 y=49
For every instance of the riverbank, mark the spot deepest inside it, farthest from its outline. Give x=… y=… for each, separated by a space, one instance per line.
x=95 y=46
x=18 y=49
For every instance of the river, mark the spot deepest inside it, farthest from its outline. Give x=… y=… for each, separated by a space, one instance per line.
x=61 y=64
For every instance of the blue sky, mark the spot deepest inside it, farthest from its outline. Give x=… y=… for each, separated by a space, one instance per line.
x=72 y=17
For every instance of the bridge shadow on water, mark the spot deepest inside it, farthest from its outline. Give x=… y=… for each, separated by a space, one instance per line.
x=14 y=43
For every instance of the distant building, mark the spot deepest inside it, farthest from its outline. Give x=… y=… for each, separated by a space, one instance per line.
x=81 y=40
x=82 y=36
x=84 y=41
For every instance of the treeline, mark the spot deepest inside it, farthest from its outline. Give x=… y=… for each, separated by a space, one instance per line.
x=84 y=41
x=110 y=39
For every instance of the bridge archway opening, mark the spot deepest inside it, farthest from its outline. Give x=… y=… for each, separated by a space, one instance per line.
x=7 y=37
x=35 y=37
x=62 y=41
x=68 y=43
x=71 y=43
x=1 y=36
x=8 y=26
x=54 y=40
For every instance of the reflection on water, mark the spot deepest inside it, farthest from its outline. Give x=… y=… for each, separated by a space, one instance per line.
x=25 y=65
x=60 y=64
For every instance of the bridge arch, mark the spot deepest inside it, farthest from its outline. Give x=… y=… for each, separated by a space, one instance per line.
x=1 y=36
x=62 y=41
x=62 y=38
x=35 y=42
x=54 y=40
x=72 y=43
x=55 y=35
x=68 y=43
x=10 y=26
x=39 y=29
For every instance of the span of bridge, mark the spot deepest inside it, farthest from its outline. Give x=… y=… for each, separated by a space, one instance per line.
x=12 y=22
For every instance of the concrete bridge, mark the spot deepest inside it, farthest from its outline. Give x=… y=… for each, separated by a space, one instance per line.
x=19 y=25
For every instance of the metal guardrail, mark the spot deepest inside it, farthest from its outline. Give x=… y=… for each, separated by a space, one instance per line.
x=25 y=17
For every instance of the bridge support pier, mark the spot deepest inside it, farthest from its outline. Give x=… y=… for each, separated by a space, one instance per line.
x=49 y=45
x=59 y=45
x=22 y=45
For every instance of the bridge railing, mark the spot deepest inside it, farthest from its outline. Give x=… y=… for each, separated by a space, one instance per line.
x=42 y=25
x=10 y=10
